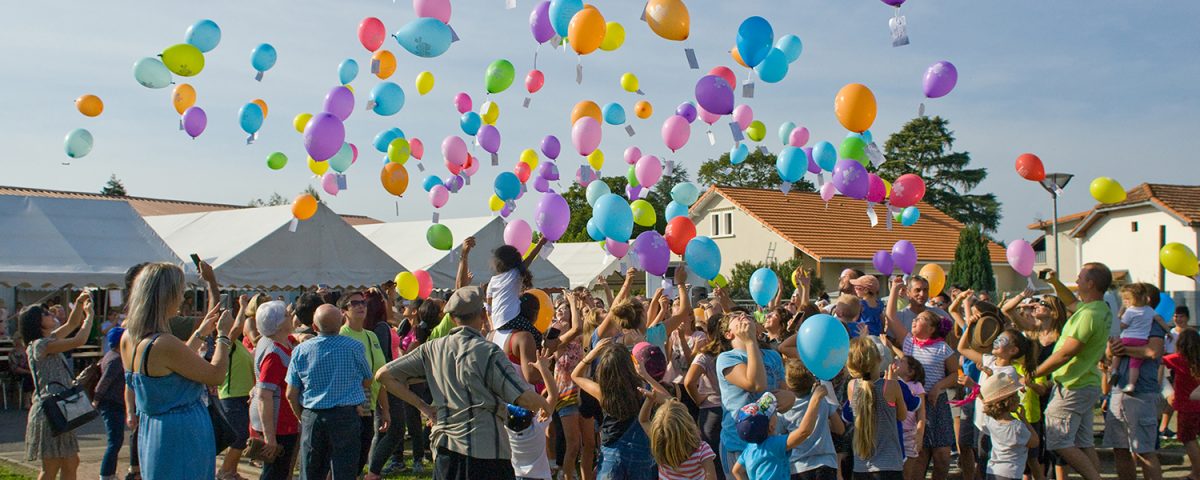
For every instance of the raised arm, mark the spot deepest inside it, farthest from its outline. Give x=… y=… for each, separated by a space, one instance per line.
x=609 y=326
x=580 y=375
x=684 y=313
x=83 y=305
x=752 y=375
x=210 y=280
x=895 y=327
x=533 y=254
x=608 y=293
x=964 y=348
x=809 y=422
x=576 y=328
x=181 y=359
x=1011 y=310
x=80 y=311
x=464 y=271
x=1062 y=291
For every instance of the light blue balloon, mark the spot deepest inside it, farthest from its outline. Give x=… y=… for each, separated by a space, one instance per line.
x=823 y=345
x=614 y=217
x=430 y=182
x=250 y=117
x=78 y=143
x=764 y=284
x=507 y=186
x=347 y=71
x=388 y=98
x=791 y=46
x=825 y=155
x=614 y=114
x=791 y=164
x=151 y=73
x=738 y=154
x=1166 y=306
x=754 y=38
x=686 y=193
x=424 y=37
x=703 y=257
x=675 y=209
x=785 y=132
x=909 y=216
x=263 y=57
x=470 y=123
x=561 y=12
x=340 y=161
x=774 y=67
x=594 y=191
x=593 y=230
x=384 y=139
x=867 y=137
x=204 y=35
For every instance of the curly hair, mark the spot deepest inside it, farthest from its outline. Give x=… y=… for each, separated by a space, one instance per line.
x=507 y=257
x=1002 y=409
x=673 y=434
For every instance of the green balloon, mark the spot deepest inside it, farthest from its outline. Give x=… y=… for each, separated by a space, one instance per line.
x=631 y=176
x=276 y=160
x=439 y=237
x=78 y=143
x=756 y=131
x=499 y=76
x=855 y=148
x=183 y=59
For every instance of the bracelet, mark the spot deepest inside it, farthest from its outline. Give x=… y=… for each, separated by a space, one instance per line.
x=225 y=341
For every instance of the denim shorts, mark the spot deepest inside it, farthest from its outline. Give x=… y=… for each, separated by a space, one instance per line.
x=237 y=413
x=627 y=458
x=572 y=409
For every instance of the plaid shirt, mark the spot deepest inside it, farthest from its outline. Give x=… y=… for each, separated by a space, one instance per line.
x=329 y=370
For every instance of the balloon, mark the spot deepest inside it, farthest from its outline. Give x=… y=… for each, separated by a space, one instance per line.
x=495 y=203
x=652 y=252
x=78 y=143
x=561 y=12
x=541 y=185
x=615 y=217
x=204 y=35
x=518 y=234
x=675 y=132
x=854 y=148
x=1107 y=190
x=454 y=150
x=439 y=9
x=151 y=73
x=529 y=157
x=399 y=150
x=936 y=277
x=329 y=183
x=909 y=216
x=263 y=57
x=276 y=160
x=798 y=137
x=386 y=62
x=371 y=33
x=594 y=191
x=317 y=168
x=586 y=30
x=680 y=231
x=743 y=115
x=754 y=38
x=1166 y=306
x=614 y=36
x=194 y=121
x=883 y=262
x=1179 y=259
x=825 y=156
x=904 y=256
x=499 y=76
x=785 y=130
x=534 y=80
x=632 y=155
x=430 y=182
x=756 y=131
x=715 y=95
x=643 y=109
x=675 y=210
x=876 y=191
x=545 y=314
x=489 y=138
x=791 y=164
x=552 y=216
x=791 y=46
x=549 y=171
x=725 y=73
x=507 y=186
x=812 y=165
x=907 y=190
x=586 y=108
x=709 y=118
x=643 y=213
x=182 y=98
x=940 y=79
x=300 y=121
x=596 y=160
x=631 y=176
x=850 y=178
x=614 y=114
x=1029 y=167
x=668 y=19
x=394 y=178
x=424 y=82
x=250 y=118
x=424 y=283
x=462 y=102
x=773 y=67
x=416 y=148
x=827 y=191
x=550 y=147
x=629 y=82
x=470 y=123
x=764 y=284
x=183 y=59
x=439 y=237
x=340 y=100
x=425 y=37
x=823 y=345
x=738 y=154
x=539 y=23
x=894 y=3
x=615 y=248
x=407 y=285
x=586 y=135
x=384 y=139
x=304 y=207
x=90 y=105
x=703 y=257
x=347 y=71
x=855 y=107
x=324 y=136
x=686 y=193
x=1020 y=257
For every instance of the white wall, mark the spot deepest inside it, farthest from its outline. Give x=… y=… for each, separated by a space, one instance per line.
x=749 y=241
x=1112 y=241
x=1068 y=247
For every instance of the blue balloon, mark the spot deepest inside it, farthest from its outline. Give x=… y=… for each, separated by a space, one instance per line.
x=250 y=117
x=347 y=71
x=384 y=139
x=738 y=154
x=204 y=35
x=754 y=38
x=791 y=46
x=909 y=216
x=791 y=164
x=785 y=132
x=388 y=98
x=561 y=12
x=594 y=191
x=823 y=345
x=593 y=230
x=764 y=284
x=425 y=37
x=470 y=123
x=774 y=67
x=1166 y=307
x=430 y=182
x=825 y=155
x=703 y=257
x=675 y=209
x=614 y=114
x=867 y=137
x=614 y=217
x=507 y=186
x=263 y=57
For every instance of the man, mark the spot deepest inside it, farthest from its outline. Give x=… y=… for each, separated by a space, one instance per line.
x=328 y=392
x=354 y=308
x=471 y=382
x=306 y=306
x=1131 y=420
x=1073 y=365
x=844 y=285
x=917 y=293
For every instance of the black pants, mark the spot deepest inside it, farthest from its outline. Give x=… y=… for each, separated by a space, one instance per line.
x=281 y=468
x=415 y=424
x=448 y=465
x=366 y=433
x=709 y=420
x=385 y=443
x=878 y=475
x=819 y=473
x=324 y=435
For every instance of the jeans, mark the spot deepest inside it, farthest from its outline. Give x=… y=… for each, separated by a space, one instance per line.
x=386 y=443
x=281 y=468
x=415 y=424
x=628 y=457
x=323 y=443
x=114 y=426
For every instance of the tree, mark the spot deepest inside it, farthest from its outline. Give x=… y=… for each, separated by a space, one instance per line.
x=114 y=187
x=313 y=191
x=924 y=146
x=739 y=278
x=581 y=212
x=274 y=200
x=758 y=171
x=972 y=266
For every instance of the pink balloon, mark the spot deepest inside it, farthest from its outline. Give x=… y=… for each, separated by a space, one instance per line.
x=709 y=118
x=329 y=183
x=616 y=249
x=743 y=115
x=439 y=195
x=1020 y=257
x=462 y=102
x=416 y=148
x=632 y=154
x=424 y=283
x=586 y=135
x=725 y=73
x=518 y=234
x=675 y=132
x=876 y=191
x=907 y=190
x=523 y=171
x=798 y=137
x=454 y=150
x=827 y=191
x=585 y=176
x=471 y=167
x=648 y=171
x=354 y=153
x=534 y=81
x=439 y=9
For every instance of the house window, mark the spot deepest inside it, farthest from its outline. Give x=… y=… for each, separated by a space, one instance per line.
x=716 y=224
x=729 y=223
x=1134 y=226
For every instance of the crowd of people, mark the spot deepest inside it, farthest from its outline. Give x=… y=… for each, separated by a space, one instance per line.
x=624 y=386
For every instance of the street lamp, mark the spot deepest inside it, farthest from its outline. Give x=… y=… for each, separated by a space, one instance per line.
x=1054 y=184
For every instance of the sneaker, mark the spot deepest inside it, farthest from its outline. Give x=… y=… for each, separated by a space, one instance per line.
x=1167 y=433
x=418 y=468
x=133 y=476
x=394 y=468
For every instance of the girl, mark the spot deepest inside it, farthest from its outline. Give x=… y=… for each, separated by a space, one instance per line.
x=877 y=452
x=675 y=442
x=1011 y=439
x=504 y=289
x=1185 y=365
x=912 y=374
x=702 y=385
x=576 y=430
x=744 y=373
x=624 y=445
x=924 y=342
x=815 y=457
x=1136 y=319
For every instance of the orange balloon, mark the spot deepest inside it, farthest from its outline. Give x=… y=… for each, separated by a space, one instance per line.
x=394 y=178
x=261 y=103
x=183 y=97
x=586 y=30
x=89 y=105
x=586 y=108
x=855 y=107
x=737 y=57
x=304 y=207
x=387 y=63
x=643 y=109
x=669 y=19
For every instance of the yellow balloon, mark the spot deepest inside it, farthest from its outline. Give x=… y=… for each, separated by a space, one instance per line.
x=720 y=281
x=1107 y=190
x=596 y=159
x=318 y=168
x=529 y=157
x=643 y=213
x=424 y=82
x=1179 y=259
x=183 y=97
x=407 y=285
x=614 y=37
x=629 y=82
x=183 y=59
x=936 y=276
x=301 y=121
x=349 y=87
x=398 y=151
x=489 y=112
x=756 y=131
x=887 y=188
x=495 y=204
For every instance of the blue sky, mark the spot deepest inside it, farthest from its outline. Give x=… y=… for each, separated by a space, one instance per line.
x=1095 y=89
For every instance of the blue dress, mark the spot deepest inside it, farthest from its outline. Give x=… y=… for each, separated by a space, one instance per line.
x=175 y=434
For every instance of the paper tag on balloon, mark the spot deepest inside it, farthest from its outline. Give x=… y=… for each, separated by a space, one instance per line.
x=748 y=89
x=643 y=18
x=921 y=110
x=292 y=226
x=820 y=179
x=712 y=139
x=785 y=187
x=830 y=397
x=523 y=190
x=737 y=131
x=341 y=181
x=669 y=167
x=466 y=180
x=691 y=58
x=374 y=66
x=526 y=103
x=640 y=92
x=871 y=214
x=579 y=73
x=1029 y=282
x=180 y=123
x=495 y=159
x=763 y=150
x=370 y=104
x=250 y=139
x=547 y=249
x=510 y=4
x=875 y=155
x=629 y=130
x=420 y=167
x=453 y=34
x=556 y=41
x=899 y=26
x=436 y=216
x=258 y=77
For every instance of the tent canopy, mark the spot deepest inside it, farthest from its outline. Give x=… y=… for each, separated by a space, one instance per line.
x=254 y=248
x=405 y=242
x=583 y=262
x=51 y=242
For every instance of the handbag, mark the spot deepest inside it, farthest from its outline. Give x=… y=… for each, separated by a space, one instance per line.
x=89 y=378
x=65 y=409
x=222 y=431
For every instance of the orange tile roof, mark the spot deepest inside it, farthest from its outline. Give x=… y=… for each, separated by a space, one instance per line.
x=1182 y=201
x=841 y=230
x=1044 y=224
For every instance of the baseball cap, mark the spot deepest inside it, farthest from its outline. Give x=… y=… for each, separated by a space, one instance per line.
x=753 y=421
x=113 y=338
x=519 y=418
x=465 y=302
x=651 y=357
x=867 y=281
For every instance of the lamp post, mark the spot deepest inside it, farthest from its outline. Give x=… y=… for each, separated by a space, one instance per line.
x=1054 y=184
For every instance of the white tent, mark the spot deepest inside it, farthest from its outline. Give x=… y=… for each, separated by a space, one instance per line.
x=52 y=242
x=583 y=262
x=405 y=242
x=255 y=248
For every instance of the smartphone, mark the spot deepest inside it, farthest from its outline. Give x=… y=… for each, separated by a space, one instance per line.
x=224 y=301
x=1043 y=274
x=196 y=260
x=552 y=333
x=322 y=286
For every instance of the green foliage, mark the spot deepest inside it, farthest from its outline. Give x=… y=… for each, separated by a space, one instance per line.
x=114 y=187
x=739 y=277
x=274 y=200
x=758 y=171
x=581 y=212
x=972 y=266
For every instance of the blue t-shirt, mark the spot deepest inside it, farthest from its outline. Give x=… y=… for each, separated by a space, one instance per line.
x=1148 y=378
x=734 y=398
x=767 y=460
x=817 y=450
x=873 y=317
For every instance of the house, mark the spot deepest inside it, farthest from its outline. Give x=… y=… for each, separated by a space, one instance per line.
x=752 y=225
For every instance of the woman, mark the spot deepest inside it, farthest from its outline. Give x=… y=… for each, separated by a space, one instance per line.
x=46 y=343
x=386 y=442
x=272 y=419
x=577 y=431
x=1042 y=321
x=428 y=315
x=234 y=392
x=165 y=379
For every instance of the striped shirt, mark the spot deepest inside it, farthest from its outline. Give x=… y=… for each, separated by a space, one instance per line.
x=329 y=370
x=690 y=469
x=471 y=382
x=932 y=357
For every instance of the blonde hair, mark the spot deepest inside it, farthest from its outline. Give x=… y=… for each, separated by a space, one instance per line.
x=673 y=435
x=862 y=363
x=851 y=305
x=591 y=321
x=155 y=298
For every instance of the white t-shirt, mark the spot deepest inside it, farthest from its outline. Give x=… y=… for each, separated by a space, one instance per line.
x=989 y=361
x=1169 y=343
x=529 y=451
x=1136 y=322
x=504 y=290
x=1009 y=447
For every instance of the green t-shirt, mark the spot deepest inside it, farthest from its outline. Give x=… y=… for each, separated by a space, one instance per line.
x=442 y=329
x=239 y=378
x=1089 y=325
x=374 y=354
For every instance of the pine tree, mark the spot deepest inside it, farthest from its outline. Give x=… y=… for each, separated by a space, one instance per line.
x=972 y=266
x=114 y=187
x=758 y=171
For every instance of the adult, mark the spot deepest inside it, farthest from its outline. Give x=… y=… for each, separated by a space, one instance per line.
x=272 y=419
x=916 y=291
x=845 y=287
x=386 y=442
x=1073 y=365
x=46 y=342
x=1042 y=320
x=470 y=380
x=166 y=379
x=306 y=305
x=376 y=414
x=1130 y=424
x=428 y=315
x=326 y=378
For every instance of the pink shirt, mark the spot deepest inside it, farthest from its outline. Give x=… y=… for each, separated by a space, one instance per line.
x=690 y=469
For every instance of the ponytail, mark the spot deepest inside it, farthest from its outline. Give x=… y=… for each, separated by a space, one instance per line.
x=863 y=403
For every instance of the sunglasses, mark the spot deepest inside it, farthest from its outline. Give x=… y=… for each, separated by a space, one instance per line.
x=356 y=303
x=1045 y=304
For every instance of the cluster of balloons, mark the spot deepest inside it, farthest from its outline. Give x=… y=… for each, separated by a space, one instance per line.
x=413 y=285
x=903 y=256
x=79 y=141
x=583 y=26
x=756 y=48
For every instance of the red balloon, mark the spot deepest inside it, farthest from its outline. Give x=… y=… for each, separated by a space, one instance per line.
x=907 y=190
x=523 y=171
x=371 y=33
x=454 y=169
x=534 y=81
x=725 y=73
x=1030 y=167
x=680 y=231
x=424 y=283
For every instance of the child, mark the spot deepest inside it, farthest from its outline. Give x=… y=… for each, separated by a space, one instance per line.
x=912 y=374
x=1185 y=365
x=504 y=289
x=877 y=451
x=866 y=287
x=527 y=432
x=675 y=442
x=849 y=309
x=1135 y=327
x=766 y=455
x=624 y=445
x=110 y=401
x=815 y=458
x=1011 y=439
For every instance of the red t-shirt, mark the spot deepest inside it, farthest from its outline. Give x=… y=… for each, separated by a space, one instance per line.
x=1185 y=383
x=274 y=371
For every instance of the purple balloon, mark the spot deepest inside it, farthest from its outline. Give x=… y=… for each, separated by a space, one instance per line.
x=551 y=147
x=455 y=183
x=883 y=262
x=548 y=171
x=940 y=79
x=194 y=121
x=894 y=3
x=539 y=23
x=812 y=164
x=340 y=102
x=634 y=192
x=489 y=138
x=687 y=111
x=552 y=216
x=904 y=256
x=715 y=95
x=324 y=136
x=541 y=185
x=508 y=209
x=850 y=178
x=652 y=252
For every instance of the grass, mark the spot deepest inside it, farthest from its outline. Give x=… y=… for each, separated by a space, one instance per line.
x=9 y=471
